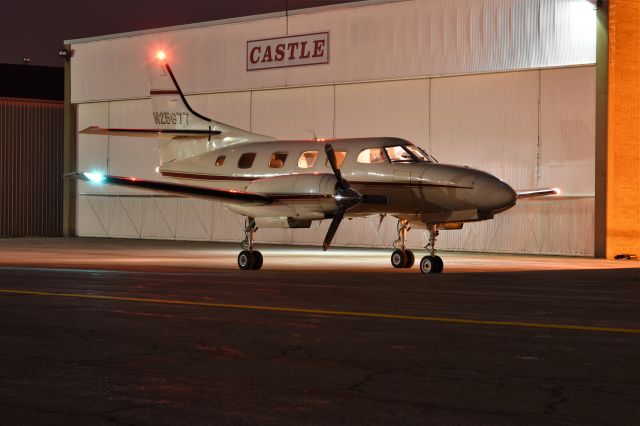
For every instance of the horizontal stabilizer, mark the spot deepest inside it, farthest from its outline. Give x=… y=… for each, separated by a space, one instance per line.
x=169 y=134
x=530 y=193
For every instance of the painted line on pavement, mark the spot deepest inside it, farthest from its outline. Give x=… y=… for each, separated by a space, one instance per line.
x=516 y=324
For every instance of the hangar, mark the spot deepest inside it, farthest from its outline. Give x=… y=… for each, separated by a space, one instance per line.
x=511 y=87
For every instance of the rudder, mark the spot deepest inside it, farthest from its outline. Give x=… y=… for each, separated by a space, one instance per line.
x=170 y=108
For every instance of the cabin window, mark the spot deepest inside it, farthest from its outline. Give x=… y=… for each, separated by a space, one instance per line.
x=340 y=156
x=307 y=159
x=220 y=160
x=398 y=154
x=246 y=160
x=372 y=156
x=277 y=160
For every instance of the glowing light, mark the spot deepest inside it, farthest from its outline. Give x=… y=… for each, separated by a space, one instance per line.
x=582 y=23
x=95 y=177
x=558 y=191
x=158 y=169
x=161 y=55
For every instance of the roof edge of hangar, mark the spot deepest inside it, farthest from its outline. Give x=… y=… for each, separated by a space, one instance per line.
x=234 y=20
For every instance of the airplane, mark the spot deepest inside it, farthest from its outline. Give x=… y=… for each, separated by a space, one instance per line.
x=277 y=183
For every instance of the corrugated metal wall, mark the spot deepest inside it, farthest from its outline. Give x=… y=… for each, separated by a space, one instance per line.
x=413 y=38
x=31 y=159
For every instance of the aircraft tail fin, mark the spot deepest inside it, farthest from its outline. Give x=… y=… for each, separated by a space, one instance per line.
x=180 y=131
x=171 y=110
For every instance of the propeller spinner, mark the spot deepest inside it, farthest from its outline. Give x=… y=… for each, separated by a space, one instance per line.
x=346 y=197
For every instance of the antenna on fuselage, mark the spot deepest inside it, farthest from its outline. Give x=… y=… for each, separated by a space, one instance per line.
x=315 y=138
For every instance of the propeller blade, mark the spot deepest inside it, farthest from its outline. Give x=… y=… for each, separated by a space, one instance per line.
x=333 y=228
x=382 y=216
x=331 y=155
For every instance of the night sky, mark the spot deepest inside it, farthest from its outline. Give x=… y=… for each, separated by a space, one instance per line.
x=37 y=29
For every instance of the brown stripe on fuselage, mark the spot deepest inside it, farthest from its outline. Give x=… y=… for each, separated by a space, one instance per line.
x=164 y=92
x=197 y=176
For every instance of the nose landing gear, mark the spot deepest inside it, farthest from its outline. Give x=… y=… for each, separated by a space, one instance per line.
x=432 y=264
x=248 y=257
x=401 y=257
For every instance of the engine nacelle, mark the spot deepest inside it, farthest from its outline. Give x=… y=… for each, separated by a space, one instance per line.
x=295 y=205
x=307 y=183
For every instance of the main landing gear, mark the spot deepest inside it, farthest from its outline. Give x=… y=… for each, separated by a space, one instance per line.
x=403 y=258
x=248 y=257
x=432 y=264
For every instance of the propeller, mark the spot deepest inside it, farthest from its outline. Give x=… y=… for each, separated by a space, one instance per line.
x=331 y=156
x=346 y=197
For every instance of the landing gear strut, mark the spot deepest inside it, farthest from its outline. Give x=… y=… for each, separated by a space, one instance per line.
x=432 y=264
x=248 y=257
x=401 y=257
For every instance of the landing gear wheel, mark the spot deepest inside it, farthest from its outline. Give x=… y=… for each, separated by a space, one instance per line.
x=398 y=259
x=246 y=260
x=257 y=260
x=428 y=265
x=411 y=259
x=438 y=264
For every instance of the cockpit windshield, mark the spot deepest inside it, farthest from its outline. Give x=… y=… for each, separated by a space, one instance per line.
x=408 y=154
x=415 y=151
x=399 y=154
x=421 y=154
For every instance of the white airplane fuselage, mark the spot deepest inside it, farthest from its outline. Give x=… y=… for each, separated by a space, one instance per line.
x=424 y=192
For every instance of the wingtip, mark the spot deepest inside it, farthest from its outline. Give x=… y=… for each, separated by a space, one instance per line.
x=72 y=175
x=88 y=130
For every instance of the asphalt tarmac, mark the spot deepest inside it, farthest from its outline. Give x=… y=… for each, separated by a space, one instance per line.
x=96 y=331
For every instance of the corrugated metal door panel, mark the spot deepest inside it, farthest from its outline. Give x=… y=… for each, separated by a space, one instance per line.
x=398 y=108
x=489 y=122
x=543 y=227
x=567 y=129
x=92 y=149
x=290 y=113
x=31 y=167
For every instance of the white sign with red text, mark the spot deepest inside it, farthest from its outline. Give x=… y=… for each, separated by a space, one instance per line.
x=291 y=51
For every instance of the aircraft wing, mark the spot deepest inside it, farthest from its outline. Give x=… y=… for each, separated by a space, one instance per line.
x=170 y=134
x=530 y=193
x=241 y=198
x=226 y=195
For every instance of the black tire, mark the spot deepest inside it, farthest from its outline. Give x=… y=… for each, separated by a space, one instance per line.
x=411 y=259
x=245 y=260
x=439 y=263
x=427 y=265
x=257 y=260
x=398 y=259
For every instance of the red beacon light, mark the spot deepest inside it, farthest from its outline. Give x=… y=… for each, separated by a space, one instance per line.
x=160 y=55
